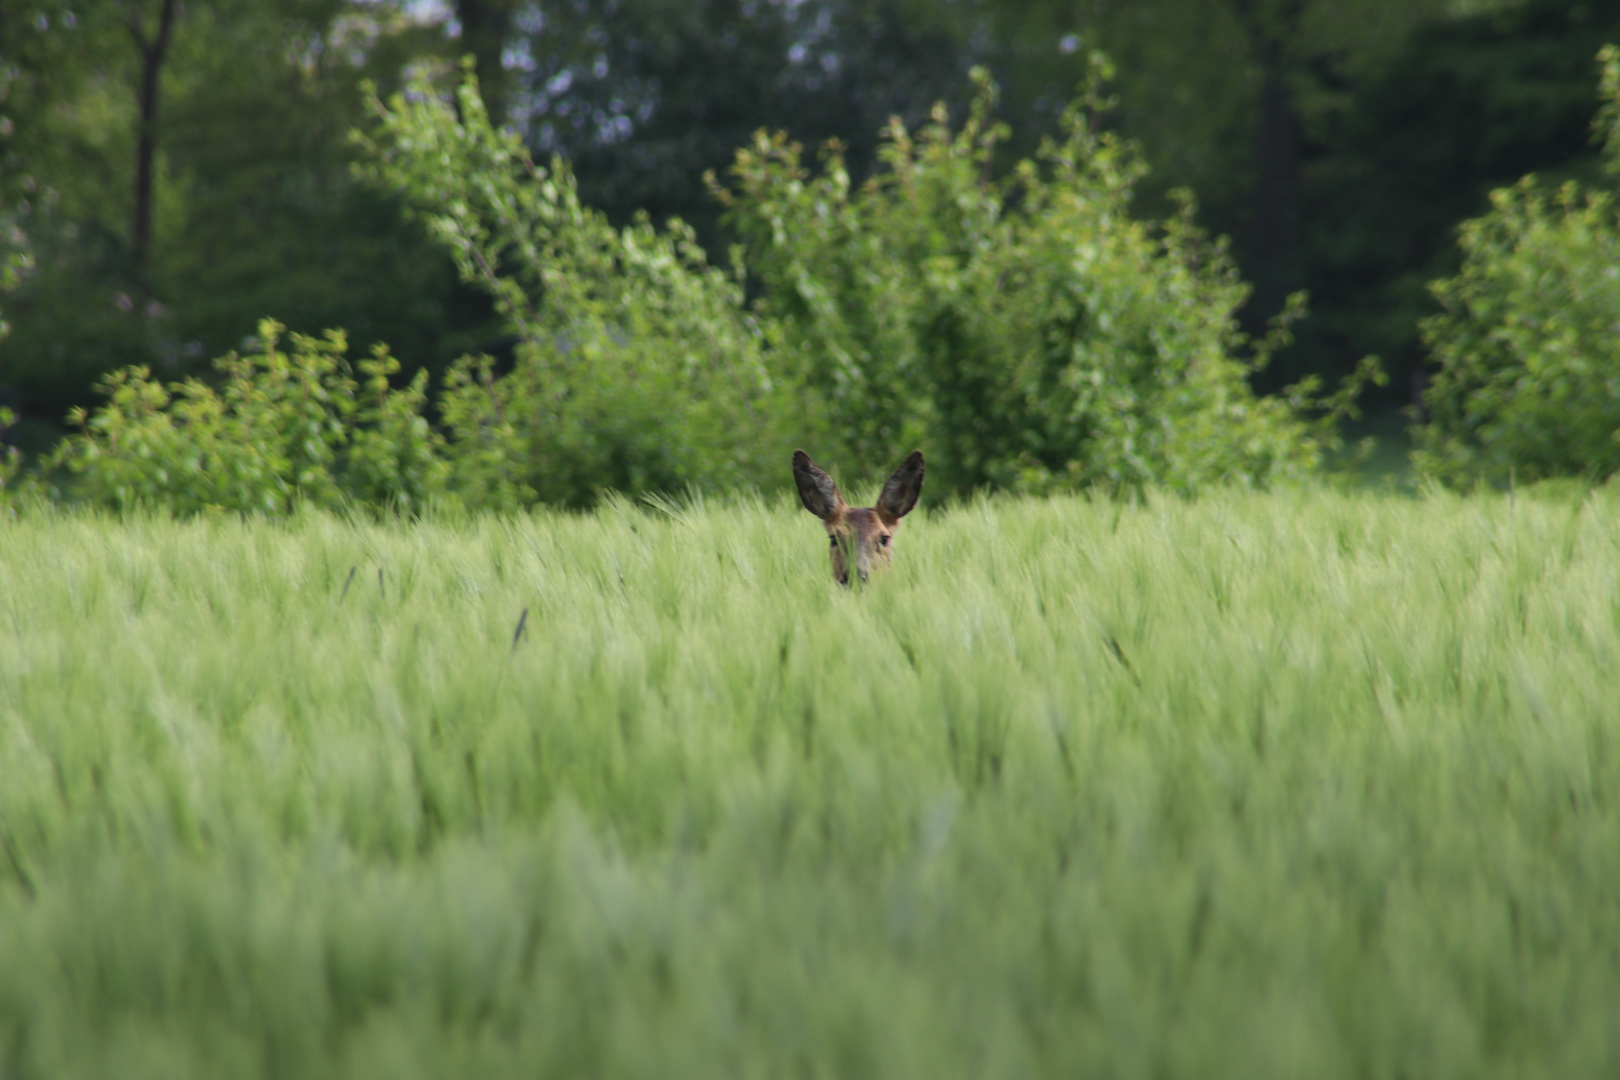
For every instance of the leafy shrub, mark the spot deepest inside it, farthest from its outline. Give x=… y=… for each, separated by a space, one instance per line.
x=13 y=263
x=1528 y=342
x=638 y=367
x=1030 y=332
x=10 y=458
x=284 y=427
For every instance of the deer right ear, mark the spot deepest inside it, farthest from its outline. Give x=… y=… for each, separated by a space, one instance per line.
x=816 y=489
x=901 y=489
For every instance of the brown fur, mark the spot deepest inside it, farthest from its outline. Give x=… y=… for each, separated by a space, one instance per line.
x=859 y=535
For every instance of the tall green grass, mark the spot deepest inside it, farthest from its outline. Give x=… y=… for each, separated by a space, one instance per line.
x=1314 y=785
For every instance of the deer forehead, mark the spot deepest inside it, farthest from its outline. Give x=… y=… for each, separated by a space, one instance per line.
x=863 y=523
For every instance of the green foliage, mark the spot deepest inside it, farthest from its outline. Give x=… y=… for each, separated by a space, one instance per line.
x=1469 y=105
x=1606 y=125
x=1190 y=75
x=268 y=217
x=638 y=367
x=1529 y=340
x=395 y=458
x=256 y=211
x=1259 y=786
x=10 y=458
x=286 y=427
x=1029 y=332
x=643 y=96
x=12 y=265
x=15 y=261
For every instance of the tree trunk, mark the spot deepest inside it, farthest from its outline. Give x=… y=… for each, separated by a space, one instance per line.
x=152 y=49
x=1274 y=226
x=1275 y=238
x=485 y=26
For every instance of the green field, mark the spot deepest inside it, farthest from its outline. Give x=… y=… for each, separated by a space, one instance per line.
x=1291 y=785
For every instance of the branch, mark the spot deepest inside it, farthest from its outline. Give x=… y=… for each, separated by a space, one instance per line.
x=153 y=47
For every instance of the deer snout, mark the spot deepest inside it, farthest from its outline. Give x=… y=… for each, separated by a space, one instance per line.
x=851 y=555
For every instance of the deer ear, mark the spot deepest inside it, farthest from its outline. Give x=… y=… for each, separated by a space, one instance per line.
x=901 y=489
x=816 y=489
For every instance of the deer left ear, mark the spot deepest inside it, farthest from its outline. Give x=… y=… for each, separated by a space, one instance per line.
x=816 y=489
x=901 y=490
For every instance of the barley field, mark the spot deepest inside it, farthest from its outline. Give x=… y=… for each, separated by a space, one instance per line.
x=1291 y=785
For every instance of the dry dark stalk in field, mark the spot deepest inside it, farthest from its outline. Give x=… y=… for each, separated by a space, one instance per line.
x=1124 y=661
x=859 y=534
x=522 y=624
x=18 y=870
x=346 y=583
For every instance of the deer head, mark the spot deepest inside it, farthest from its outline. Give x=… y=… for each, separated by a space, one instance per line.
x=862 y=536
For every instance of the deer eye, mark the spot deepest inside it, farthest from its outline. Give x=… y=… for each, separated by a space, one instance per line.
x=832 y=541
x=883 y=541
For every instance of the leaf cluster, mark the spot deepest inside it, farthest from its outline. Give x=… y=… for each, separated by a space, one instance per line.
x=285 y=426
x=637 y=365
x=1030 y=331
x=1528 y=342
x=254 y=209
x=13 y=264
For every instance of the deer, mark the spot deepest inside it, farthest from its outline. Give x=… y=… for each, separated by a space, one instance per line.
x=863 y=535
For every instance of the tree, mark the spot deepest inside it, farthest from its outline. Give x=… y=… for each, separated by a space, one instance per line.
x=1028 y=330
x=1228 y=97
x=242 y=204
x=1339 y=144
x=1528 y=380
x=643 y=96
x=152 y=45
x=1222 y=91
x=638 y=366
x=65 y=176
x=1467 y=106
x=486 y=27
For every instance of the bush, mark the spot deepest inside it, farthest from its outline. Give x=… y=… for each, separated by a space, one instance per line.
x=284 y=427
x=1030 y=332
x=10 y=458
x=637 y=368
x=1528 y=343
x=13 y=263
